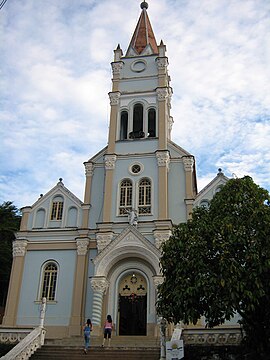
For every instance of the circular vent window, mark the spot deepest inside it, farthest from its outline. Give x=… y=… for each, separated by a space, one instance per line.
x=136 y=169
x=138 y=66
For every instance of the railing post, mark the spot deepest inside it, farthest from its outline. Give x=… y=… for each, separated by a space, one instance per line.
x=162 y=328
x=42 y=312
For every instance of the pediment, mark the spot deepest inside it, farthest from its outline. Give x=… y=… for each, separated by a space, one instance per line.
x=131 y=238
x=58 y=189
x=210 y=189
x=130 y=243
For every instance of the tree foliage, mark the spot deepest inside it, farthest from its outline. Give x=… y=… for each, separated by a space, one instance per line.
x=218 y=263
x=9 y=223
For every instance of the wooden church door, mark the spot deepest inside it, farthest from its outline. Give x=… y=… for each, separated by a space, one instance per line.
x=133 y=305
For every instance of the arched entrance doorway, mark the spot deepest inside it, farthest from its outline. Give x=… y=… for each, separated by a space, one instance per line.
x=132 y=304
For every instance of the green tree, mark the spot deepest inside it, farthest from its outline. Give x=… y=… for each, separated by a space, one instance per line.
x=218 y=263
x=9 y=224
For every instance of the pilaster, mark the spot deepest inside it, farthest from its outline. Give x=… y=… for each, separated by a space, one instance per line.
x=89 y=171
x=77 y=315
x=163 y=160
x=110 y=160
x=103 y=240
x=189 y=167
x=162 y=63
x=116 y=70
x=25 y=216
x=15 y=282
x=162 y=96
x=161 y=237
x=114 y=101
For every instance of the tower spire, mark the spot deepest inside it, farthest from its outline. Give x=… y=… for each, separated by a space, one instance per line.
x=143 y=41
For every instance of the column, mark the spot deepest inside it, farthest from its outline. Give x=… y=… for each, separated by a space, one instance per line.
x=15 y=282
x=77 y=315
x=163 y=159
x=89 y=171
x=189 y=166
x=110 y=161
x=99 y=285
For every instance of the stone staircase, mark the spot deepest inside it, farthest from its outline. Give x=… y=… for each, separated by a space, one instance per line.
x=122 y=347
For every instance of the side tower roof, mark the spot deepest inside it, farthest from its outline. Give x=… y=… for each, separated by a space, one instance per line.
x=143 y=41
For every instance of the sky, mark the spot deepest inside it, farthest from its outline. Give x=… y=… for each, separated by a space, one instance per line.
x=55 y=75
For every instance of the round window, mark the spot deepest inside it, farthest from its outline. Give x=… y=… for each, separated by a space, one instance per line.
x=136 y=169
x=138 y=66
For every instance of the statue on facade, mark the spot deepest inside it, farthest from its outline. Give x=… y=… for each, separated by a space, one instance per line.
x=132 y=217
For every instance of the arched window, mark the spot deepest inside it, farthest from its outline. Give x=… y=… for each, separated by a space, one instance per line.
x=152 y=123
x=144 y=206
x=57 y=208
x=138 y=121
x=123 y=125
x=72 y=216
x=40 y=219
x=49 y=279
x=125 y=197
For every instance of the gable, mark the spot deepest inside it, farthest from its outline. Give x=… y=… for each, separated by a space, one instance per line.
x=58 y=208
x=129 y=244
x=208 y=192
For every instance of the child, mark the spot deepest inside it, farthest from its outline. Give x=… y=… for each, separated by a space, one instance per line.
x=108 y=326
x=86 y=332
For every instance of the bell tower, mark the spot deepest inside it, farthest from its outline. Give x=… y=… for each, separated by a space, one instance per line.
x=140 y=96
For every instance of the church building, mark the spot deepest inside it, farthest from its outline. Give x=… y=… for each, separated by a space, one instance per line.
x=100 y=255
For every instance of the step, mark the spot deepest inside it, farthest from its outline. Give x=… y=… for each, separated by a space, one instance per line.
x=117 y=341
x=74 y=353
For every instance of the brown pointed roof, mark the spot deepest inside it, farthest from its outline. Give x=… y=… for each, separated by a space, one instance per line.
x=143 y=35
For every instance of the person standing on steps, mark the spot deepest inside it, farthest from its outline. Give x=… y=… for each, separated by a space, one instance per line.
x=86 y=333
x=108 y=326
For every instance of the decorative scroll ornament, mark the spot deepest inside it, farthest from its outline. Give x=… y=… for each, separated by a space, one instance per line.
x=117 y=67
x=82 y=246
x=114 y=97
x=103 y=240
x=188 y=163
x=162 y=62
x=19 y=247
x=162 y=94
x=163 y=158
x=99 y=284
x=161 y=237
x=110 y=162
x=89 y=168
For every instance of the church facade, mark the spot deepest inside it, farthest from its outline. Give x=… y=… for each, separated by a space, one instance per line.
x=101 y=255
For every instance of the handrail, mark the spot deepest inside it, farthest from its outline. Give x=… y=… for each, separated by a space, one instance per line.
x=27 y=346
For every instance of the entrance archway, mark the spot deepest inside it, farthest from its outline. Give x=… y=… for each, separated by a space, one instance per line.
x=132 y=304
